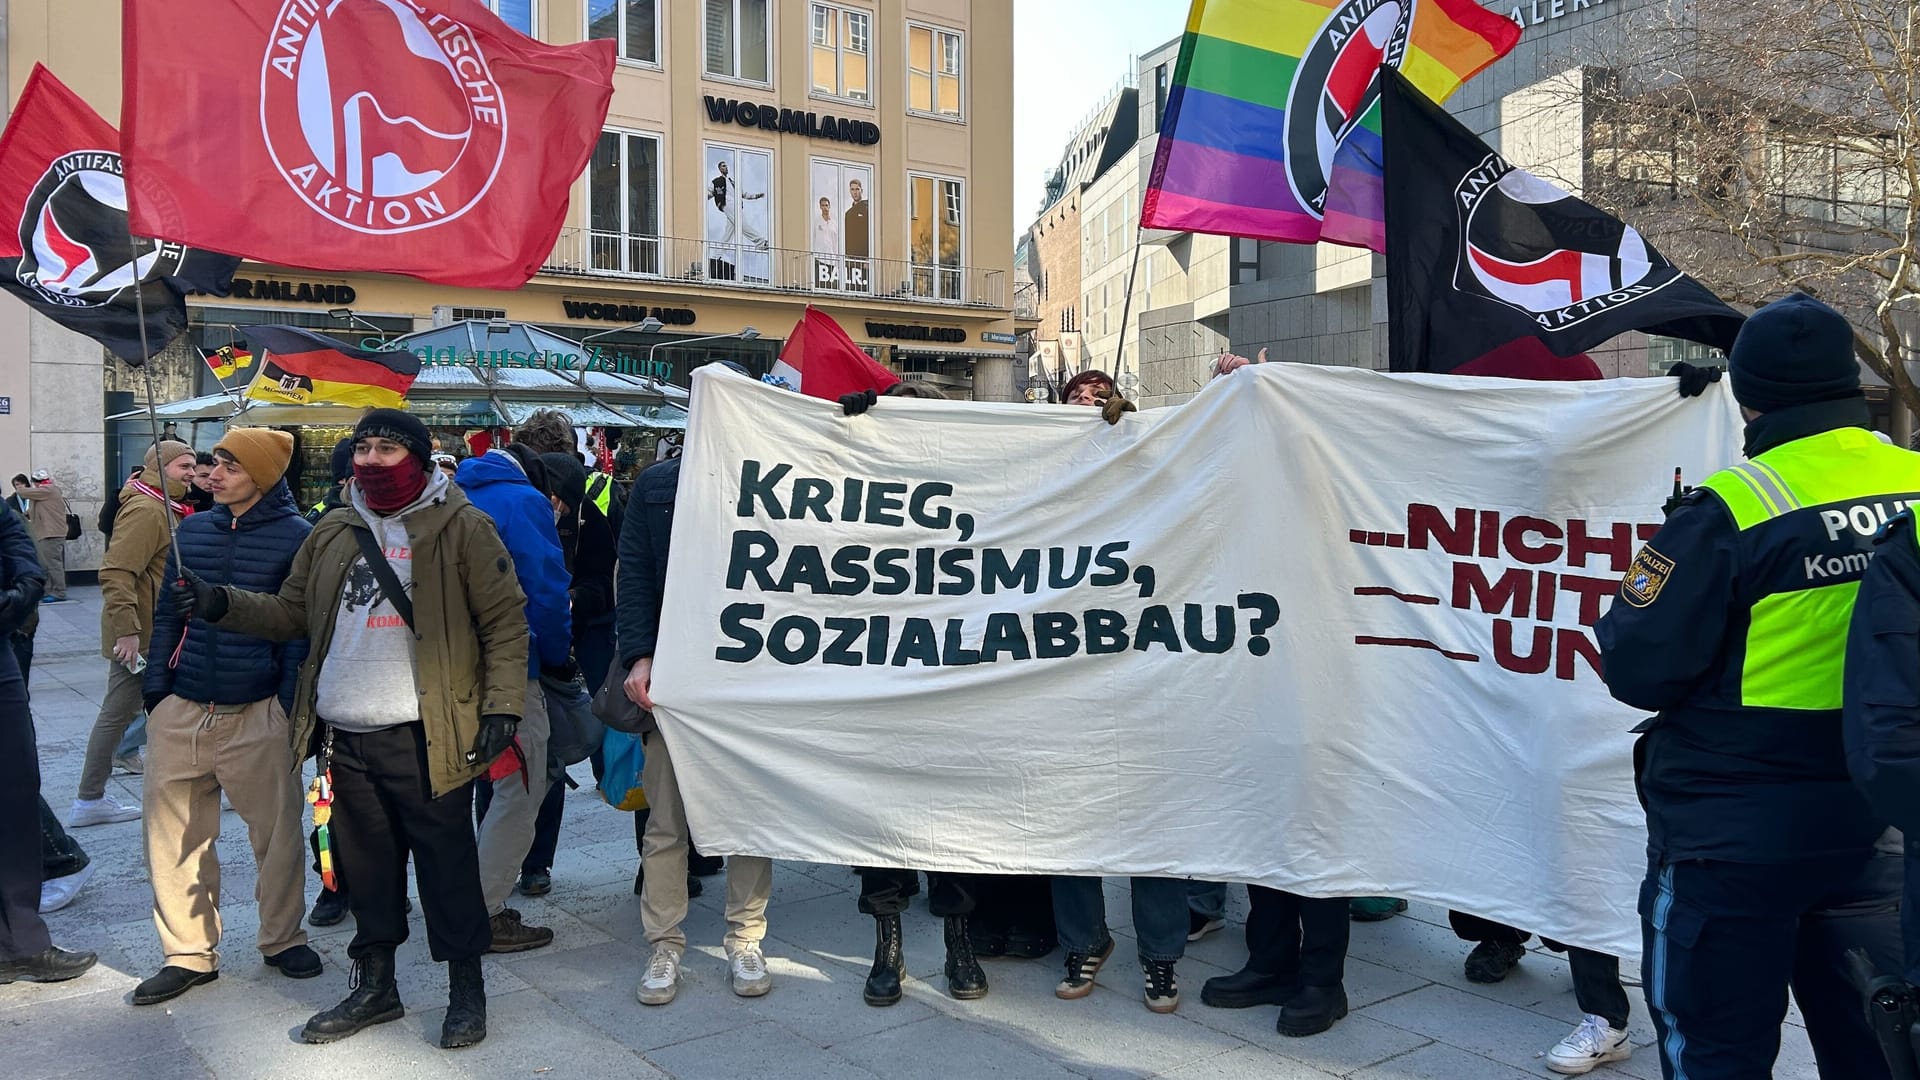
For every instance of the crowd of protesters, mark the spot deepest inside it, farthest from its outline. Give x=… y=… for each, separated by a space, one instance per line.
x=409 y=631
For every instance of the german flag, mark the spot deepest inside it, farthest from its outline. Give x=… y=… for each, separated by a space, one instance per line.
x=303 y=367
x=227 y=359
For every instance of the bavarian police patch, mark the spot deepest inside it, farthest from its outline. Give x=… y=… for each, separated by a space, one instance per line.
x=1646 y=577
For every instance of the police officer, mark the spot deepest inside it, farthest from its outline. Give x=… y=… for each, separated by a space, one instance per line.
x=1731 y=624
x=1882 y=719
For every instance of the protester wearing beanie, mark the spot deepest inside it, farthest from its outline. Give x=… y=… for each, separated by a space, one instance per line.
x=410 y=701
x=1732 y=626
x=130 y=579
x=507 y=485
x=217 y=704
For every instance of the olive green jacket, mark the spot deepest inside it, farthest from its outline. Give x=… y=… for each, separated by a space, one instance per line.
x=470 y=637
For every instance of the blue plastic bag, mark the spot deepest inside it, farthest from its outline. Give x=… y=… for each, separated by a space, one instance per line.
x=621 y=757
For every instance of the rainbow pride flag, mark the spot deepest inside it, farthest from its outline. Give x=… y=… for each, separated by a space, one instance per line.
x=1272 y=128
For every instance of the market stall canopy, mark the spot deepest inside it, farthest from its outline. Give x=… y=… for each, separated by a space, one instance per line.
x=479 y=374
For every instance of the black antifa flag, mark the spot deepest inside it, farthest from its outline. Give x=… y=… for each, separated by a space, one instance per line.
x=64 y=244
x=1481 y=255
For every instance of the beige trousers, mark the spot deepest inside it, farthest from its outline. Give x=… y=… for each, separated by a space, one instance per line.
x=193 y=753
x=663 y=855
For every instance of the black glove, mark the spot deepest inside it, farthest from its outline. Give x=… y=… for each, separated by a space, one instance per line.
x=566 y=673
x=1693 y=379
x=857 y=402
x=19 y=603
x=496 y=731
x=194 y=598
x=150 y=702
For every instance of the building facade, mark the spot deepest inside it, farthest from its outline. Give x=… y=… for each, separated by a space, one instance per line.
x=1195 y=295
x=759 y=156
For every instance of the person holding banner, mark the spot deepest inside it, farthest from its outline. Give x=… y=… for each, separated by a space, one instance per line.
x=1731 y=625
x=642 y=581
x=1296 y=945
x=884 y=891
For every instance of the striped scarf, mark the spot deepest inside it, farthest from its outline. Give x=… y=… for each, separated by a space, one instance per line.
x=152 y=492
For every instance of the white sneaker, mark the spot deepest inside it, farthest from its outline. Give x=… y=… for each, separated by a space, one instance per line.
x=101 y=811
x=662 y=979
x=1592 y=1044
x=750 y=975
x=130 y=763
x=61 y=891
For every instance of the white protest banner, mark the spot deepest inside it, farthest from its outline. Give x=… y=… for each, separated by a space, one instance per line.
x=1323 y=629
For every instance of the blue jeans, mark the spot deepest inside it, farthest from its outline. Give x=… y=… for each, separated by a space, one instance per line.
x=1159 y=916
x=134 y=739
x=1207 y=899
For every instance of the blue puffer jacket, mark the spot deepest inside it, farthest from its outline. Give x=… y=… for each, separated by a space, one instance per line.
x=253 y=552
x=496 y=484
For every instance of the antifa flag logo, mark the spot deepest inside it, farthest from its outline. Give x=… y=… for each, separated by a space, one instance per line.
x=384 y=119
x=75 y=247
x=1534 y=247
x=1336 y=83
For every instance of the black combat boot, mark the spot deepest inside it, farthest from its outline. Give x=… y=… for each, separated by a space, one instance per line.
x=466 y=1022
x=372 y=998
x=889 y=962
x=965 y=979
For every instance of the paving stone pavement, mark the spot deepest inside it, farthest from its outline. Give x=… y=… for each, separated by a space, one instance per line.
x=568 y=1010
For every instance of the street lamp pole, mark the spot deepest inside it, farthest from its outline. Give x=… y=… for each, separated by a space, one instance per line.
x=347 y=316
x=745 y=333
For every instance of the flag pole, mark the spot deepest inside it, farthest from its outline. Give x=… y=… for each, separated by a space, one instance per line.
x=1126 y=309
x=153 y=415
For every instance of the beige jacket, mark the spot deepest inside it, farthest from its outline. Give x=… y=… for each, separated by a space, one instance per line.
x=136 y=561
x=46 y=512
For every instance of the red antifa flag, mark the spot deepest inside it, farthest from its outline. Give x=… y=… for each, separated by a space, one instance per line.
x=64 y=244
x=821 y=361
x=419 y=137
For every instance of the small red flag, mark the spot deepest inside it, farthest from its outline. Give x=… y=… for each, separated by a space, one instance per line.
x=821 y=361
x=419 y=137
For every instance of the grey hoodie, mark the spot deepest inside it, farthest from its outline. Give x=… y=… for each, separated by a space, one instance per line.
x=367 y=680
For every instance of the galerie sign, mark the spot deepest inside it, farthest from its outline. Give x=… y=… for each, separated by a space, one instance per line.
x=1284 y=634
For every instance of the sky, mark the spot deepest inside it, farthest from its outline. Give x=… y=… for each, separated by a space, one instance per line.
x=1067 y=55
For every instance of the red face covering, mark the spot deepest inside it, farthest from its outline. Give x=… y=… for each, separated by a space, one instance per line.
x=391 y=488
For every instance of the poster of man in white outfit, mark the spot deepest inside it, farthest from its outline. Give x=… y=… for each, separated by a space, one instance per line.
x=738 y=216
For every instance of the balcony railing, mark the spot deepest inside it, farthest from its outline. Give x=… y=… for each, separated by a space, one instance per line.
x=586 y=253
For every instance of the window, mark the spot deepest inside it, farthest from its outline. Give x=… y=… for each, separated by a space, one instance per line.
x=515 y=13
x=738 y=216
x=842 y=42
x=1160 y=93
x=623 y=204
x=738 y=44
x=936 y=210
x=933 y=70
x=632 y=25
x=840 y=225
